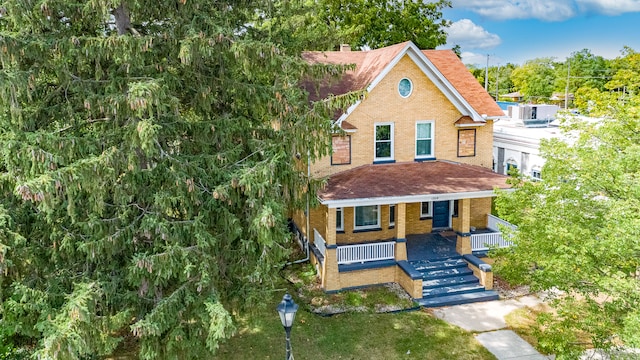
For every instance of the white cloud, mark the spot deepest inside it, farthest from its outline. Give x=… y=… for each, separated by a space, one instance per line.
x=609 y=7
x=471 y=36
x=480 y=60
x=470 y=58
x=549 y=10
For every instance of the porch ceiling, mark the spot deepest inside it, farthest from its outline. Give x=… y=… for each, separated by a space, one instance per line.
x=399 y=180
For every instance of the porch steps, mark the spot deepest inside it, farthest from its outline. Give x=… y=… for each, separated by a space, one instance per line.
x=449 y=281
x=440 y=264
x=459 y=299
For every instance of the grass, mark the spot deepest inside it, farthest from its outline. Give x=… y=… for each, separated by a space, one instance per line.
x=372 y=299
x=358 y=335
x=364 y=331
x=523 y=322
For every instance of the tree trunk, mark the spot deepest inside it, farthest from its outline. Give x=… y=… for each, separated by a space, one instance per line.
x=123 y=20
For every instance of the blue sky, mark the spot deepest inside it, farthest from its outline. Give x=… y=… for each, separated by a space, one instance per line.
x=514 y=31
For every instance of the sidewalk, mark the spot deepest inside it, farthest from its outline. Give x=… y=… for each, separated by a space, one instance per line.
x=487 y=318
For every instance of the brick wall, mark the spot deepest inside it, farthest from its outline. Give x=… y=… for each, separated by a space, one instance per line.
x=415 y=225
x=367 y=277
x=479 y=210
x=384 y=104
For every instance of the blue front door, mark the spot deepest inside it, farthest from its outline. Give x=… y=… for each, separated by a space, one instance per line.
x=441 y=214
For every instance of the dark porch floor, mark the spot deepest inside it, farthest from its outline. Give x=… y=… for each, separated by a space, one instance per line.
x=431 y=246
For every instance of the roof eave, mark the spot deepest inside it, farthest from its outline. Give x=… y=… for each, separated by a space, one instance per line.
x=407 y=199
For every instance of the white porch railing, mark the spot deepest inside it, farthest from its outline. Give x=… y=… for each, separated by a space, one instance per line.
x=319 y=242
x=366 y=252
x=480 y=242
x=493 y=221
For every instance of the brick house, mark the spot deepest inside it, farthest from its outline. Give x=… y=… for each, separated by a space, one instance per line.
x=409 y=182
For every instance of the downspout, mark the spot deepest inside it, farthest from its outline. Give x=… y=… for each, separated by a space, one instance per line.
x=305 y=239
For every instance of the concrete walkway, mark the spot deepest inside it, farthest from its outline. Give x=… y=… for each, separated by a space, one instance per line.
x=487 y=318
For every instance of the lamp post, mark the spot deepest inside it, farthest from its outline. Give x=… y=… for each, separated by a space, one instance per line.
x=287 y=310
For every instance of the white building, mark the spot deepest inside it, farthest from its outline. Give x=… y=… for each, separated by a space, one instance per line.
x=518 y=146
x=533 y=114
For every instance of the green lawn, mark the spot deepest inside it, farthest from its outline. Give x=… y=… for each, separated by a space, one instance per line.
x=408 y=335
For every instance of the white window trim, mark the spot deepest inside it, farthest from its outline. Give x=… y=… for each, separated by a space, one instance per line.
x=365 y=227
x=452 y=208
x=375 y=128
x=433 y=142
x=430 y=213
x=410 y=88
x=392 y=221
x=539 y=171
x=341 y=216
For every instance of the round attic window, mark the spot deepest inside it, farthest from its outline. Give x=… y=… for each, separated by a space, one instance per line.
x=405 y=87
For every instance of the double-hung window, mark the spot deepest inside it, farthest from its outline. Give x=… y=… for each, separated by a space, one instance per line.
x=384 y=142
x=339 y=219
x=367 y=217
x=424 y=139
x=536 y=174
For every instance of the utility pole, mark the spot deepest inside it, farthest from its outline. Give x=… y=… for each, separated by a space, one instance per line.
x=486 y=75
x=497 y=82
x=566 y=89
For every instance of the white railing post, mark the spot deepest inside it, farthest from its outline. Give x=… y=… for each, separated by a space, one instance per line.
x=319 y=242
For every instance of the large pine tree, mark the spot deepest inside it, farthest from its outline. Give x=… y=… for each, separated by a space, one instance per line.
x=149 y=154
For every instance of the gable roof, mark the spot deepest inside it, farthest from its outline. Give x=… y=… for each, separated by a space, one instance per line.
x=461 y=78
x=442 y=67
x=410 y=182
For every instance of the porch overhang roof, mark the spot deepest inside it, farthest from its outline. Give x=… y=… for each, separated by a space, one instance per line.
x=379 y=184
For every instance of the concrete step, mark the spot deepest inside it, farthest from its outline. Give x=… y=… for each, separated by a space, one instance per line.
x=458 y=299
x=445 y=273
x=450 y=281
x=437 y=265
x=452 y=290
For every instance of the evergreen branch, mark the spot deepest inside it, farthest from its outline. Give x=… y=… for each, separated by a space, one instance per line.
x=164 y=153
x=204 y=188
x=90 y=121
x=243 y=159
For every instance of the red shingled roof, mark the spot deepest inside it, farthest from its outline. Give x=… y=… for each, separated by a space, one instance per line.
x=410 y=179
x=467 y=85
x=369 y=64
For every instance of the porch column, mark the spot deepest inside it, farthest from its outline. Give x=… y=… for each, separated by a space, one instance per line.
x=401 y=232
x=463 y=243
x=330 y=278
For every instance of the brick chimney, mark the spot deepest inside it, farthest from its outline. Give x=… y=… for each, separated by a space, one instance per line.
x=345 y=47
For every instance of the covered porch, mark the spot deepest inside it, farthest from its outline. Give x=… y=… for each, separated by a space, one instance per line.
x=363 y=232
x=424 y=264
x=426 y=246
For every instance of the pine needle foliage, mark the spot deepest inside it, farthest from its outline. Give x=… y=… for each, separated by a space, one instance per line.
x=149 y=152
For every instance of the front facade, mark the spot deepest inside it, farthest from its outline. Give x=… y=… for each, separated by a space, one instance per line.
x=413 y=157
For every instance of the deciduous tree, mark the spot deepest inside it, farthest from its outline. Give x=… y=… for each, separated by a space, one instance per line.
x=578 y=233
x=360 y=23
x=535 y=79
